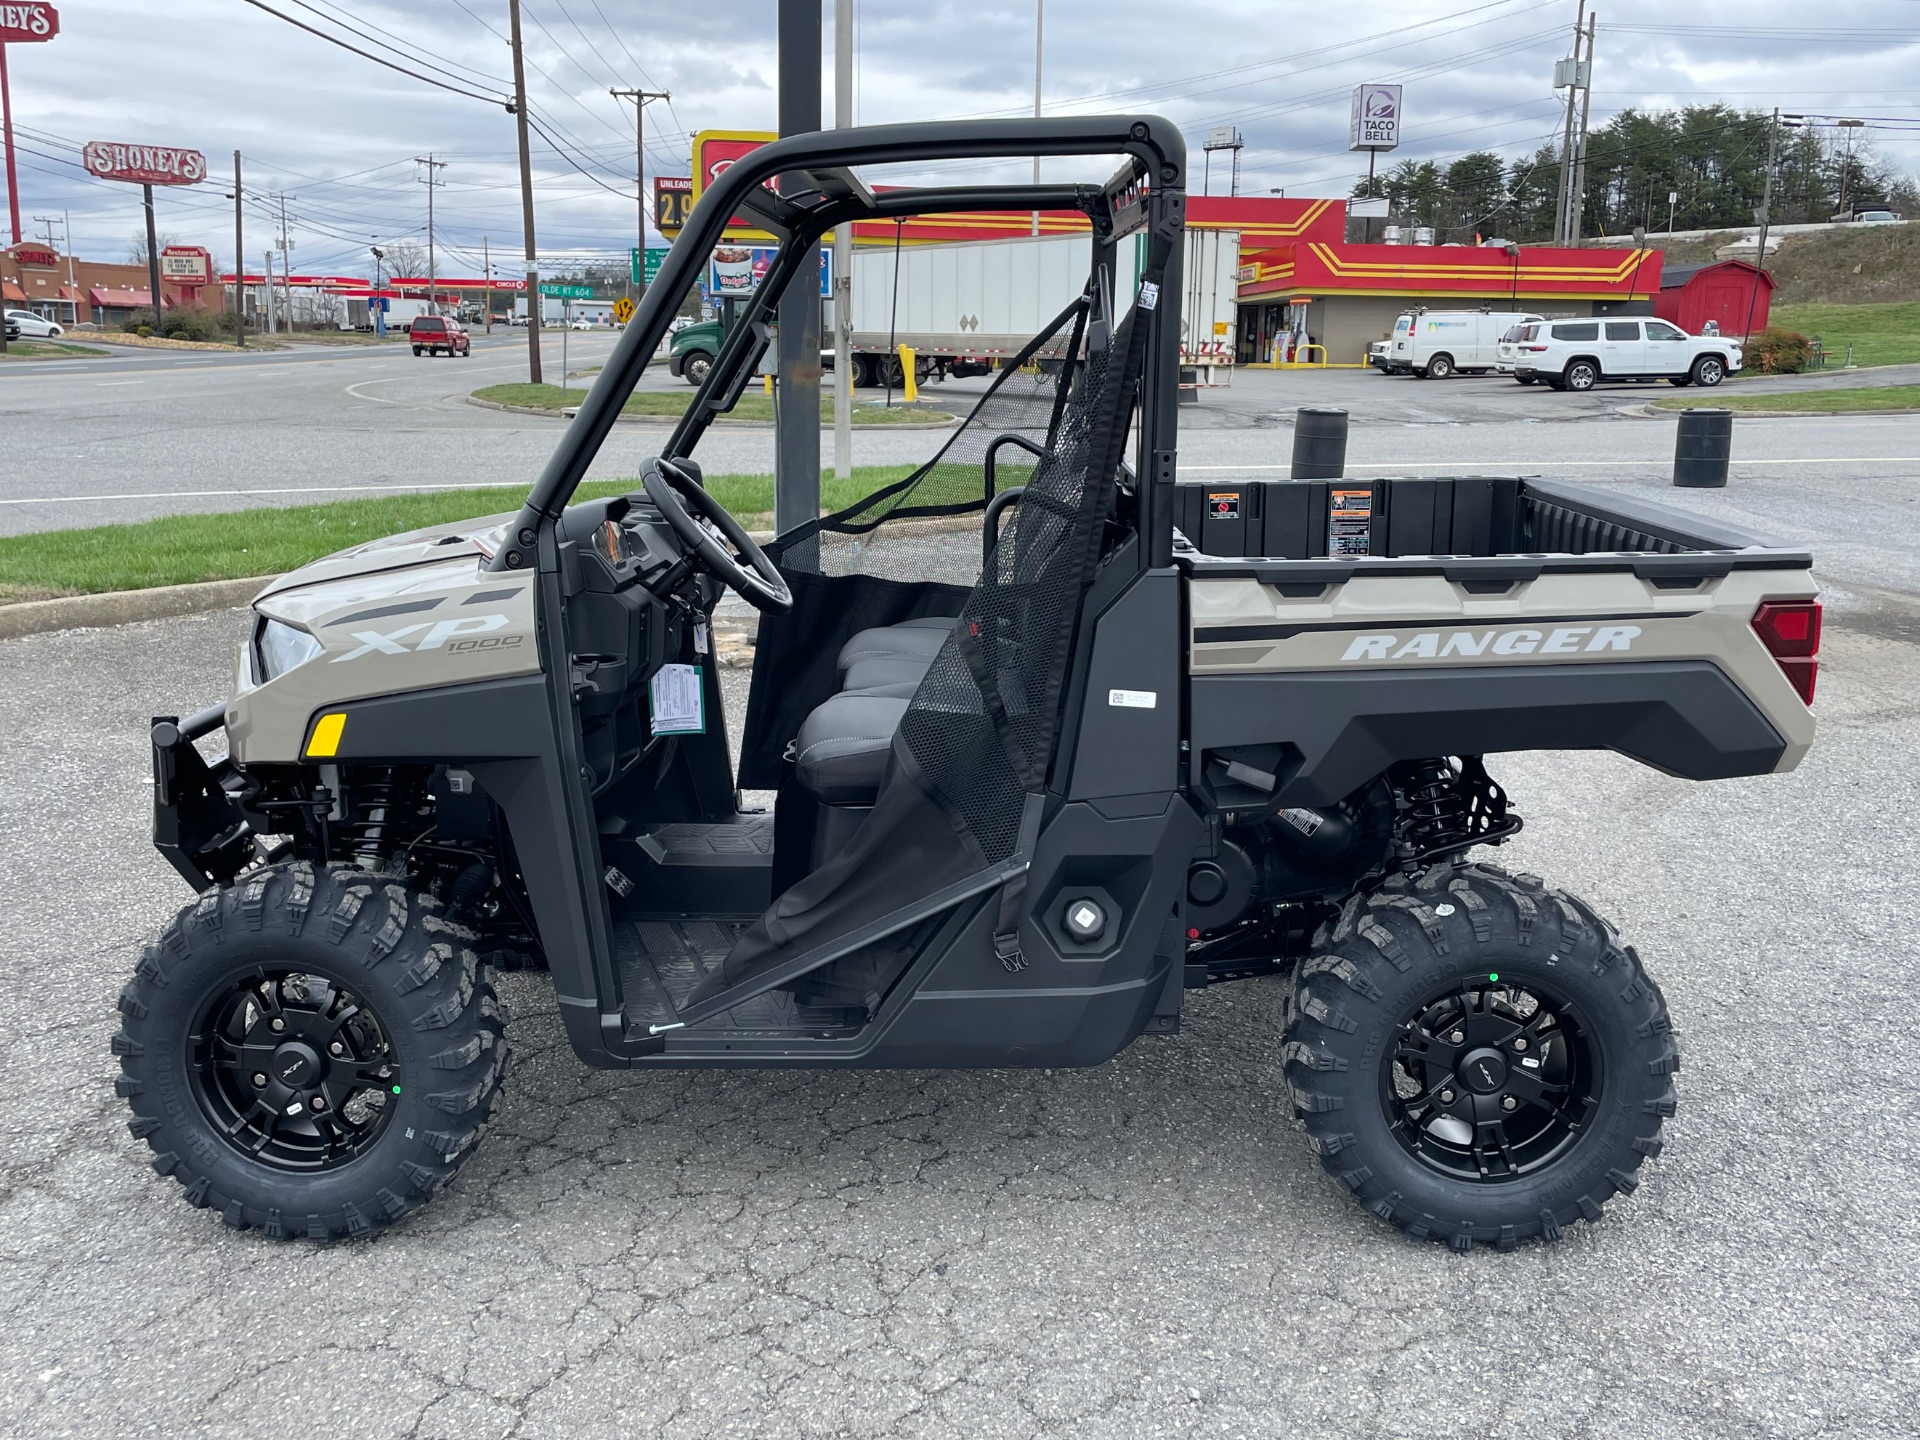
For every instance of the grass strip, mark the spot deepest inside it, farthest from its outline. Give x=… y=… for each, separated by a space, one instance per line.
x=48 y=350
x=1858 y=400
x=267 y=540
x=1884 y=334
x=672 y=404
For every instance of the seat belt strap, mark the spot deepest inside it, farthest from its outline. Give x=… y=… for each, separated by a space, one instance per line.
x=1013 y=892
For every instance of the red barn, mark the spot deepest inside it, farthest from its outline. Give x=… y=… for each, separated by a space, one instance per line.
x=1723 y=291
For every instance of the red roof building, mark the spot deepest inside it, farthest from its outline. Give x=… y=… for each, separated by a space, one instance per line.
x=1726 y=292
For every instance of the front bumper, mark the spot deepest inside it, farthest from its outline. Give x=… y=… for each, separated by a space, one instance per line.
x=675 y=359
x=198 y=824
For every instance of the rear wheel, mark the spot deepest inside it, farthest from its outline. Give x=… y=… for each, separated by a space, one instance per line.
x=1526 y=379
x=416 y=350
x=1581 y=375
x=1440 y=367
x=309 y=1052
x=1477 y=1058
x=1679 y=380
x=1709 y=370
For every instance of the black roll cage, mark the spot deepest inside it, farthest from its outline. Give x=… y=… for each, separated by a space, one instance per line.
x=1148 y=190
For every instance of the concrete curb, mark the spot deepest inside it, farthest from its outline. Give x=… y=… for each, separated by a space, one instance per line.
x=664 y=421
x=124 y=607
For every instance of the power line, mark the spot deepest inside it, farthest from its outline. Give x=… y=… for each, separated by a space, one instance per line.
x=299 y=24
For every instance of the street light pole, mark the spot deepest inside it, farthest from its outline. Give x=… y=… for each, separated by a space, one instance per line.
x=1039 y=57
x=526 y=196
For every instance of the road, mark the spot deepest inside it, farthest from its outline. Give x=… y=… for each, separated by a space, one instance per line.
x=1142 y=1249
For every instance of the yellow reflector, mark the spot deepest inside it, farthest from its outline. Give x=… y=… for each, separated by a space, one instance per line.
x=326 y=736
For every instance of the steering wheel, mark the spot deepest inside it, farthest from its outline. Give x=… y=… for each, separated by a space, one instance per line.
x=745 y=569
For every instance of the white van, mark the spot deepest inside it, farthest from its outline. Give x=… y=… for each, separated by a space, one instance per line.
x=1434 y=344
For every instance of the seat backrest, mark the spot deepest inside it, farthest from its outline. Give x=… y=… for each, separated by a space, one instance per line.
x=982 y=725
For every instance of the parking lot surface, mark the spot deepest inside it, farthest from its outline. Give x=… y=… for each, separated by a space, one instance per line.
x=1142 y=1249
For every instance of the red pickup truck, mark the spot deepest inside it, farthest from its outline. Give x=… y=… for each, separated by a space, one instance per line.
x=434 y=333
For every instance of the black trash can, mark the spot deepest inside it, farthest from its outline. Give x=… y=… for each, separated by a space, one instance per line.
x=1702 y=448
x=1319 y=443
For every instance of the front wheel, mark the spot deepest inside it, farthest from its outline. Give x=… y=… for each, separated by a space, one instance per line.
x=1708 y=371
x=696 y=367
x=1477 y=1058
x=309 y=1052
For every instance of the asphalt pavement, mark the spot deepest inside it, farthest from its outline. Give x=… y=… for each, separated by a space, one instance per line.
x=1142 y=1249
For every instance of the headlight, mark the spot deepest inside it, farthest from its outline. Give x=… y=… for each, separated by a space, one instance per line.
x=279 y=648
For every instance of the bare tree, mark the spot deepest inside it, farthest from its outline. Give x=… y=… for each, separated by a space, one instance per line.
x=406 y=261
x=137 y=250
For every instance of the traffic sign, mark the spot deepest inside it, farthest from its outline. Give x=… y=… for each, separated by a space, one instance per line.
x=566 y=292
x=645 y=269
x=623 y=310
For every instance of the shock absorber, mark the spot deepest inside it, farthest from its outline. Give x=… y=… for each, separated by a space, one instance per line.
x=375 y=816
x=1435 y=813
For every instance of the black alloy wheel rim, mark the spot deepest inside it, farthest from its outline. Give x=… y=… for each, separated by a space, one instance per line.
x=1490 y=1081
x=293 y=1070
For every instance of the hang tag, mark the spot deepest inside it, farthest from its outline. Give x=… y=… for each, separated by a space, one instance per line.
x=677 y=704
x=1149 y=295
x=700 y=637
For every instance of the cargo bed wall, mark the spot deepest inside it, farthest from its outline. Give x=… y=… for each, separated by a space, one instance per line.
x=1480 y=516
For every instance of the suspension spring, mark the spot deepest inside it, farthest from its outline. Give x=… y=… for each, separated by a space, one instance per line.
x=376 y=817
x=1436 y=811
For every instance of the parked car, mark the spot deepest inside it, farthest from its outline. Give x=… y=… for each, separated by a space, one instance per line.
x=1875 y=217
x=1434 y=344
x=1579 y=354
x=1377 y=355
x=434 y=333
x=34 y=327
x=582 y=324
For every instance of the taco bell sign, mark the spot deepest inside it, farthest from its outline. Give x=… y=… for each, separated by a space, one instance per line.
x=1376 y=118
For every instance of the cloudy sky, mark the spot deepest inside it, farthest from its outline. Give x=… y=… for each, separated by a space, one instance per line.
x=337 y=133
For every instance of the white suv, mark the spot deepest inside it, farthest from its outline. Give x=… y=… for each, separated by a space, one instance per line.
x=1579 y=354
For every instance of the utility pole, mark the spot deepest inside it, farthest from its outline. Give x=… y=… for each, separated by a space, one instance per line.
x=239 y=260
x=1763 y=214
x=432 y=182
x=640 y=99
x=796 y=485
x=486 y=274
x=1567 y=72
x=1846 y=169
x=842 y=255
x=1576 y=202
x=285 y=246
x=526 y=197
x=1039 y=55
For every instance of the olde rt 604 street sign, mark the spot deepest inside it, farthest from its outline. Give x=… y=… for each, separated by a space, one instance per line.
x=144 y=164
x=24 y=24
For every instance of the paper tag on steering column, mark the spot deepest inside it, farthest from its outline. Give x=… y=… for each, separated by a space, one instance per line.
x=677 y=707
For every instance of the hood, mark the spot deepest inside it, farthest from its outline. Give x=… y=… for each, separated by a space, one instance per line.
x=472 y=541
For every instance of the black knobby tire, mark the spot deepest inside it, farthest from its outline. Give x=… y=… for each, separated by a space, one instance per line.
x=317 y=955
x=1393 y=956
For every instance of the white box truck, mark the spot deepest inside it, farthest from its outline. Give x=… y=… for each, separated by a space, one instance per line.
x=964 y=308
x=1435 y=344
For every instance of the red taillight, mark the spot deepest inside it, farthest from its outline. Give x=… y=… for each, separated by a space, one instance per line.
x=1534 y=349
x=1790 y=629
